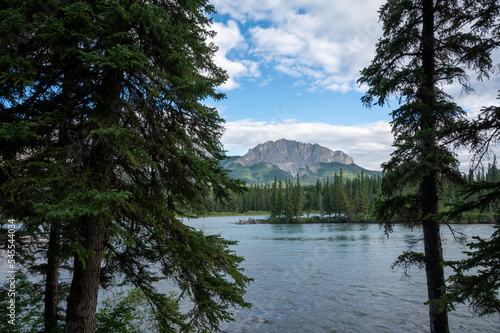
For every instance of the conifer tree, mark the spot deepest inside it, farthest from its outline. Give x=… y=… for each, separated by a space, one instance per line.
x=319 y=195
x=280 y=200
x=328 y=204
x=298 y=198
x=104 y=140
x=362 y=197
x=341 y=203
x=274 y=198
x=423 y=46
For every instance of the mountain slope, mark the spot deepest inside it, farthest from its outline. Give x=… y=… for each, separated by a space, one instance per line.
x=284 y=159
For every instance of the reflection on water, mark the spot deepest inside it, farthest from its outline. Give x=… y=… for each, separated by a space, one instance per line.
x=336 y=278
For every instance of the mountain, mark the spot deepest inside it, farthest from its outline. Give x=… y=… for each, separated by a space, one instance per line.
x=285 y=158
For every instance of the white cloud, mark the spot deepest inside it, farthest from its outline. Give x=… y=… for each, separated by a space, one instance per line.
x=343 y=88
x=369 y=145
x=323 y=42
x=229 y=39
x=265 y=82
x=313 y=40
x=485 y=94
x=274 y=42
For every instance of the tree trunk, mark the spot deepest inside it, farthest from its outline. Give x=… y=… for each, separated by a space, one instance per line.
x=52 y=279
x=429 y=187
x=433 y=255
x=82 y=300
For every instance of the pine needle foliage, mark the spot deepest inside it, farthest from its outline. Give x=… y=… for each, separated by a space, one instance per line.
x=105 y=139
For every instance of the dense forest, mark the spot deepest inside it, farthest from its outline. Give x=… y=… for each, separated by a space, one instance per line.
x=340 y=198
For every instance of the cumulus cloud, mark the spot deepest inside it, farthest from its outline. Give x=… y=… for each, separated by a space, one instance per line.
x=325 y=42
x=229 y=39
x=275 y=42
x=369 y=145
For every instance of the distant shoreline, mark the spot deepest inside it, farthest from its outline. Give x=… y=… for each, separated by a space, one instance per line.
x=329 y=220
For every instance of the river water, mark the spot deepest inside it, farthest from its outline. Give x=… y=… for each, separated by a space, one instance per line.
x=337 y=278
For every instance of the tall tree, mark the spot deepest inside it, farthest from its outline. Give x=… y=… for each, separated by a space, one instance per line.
x=327 y=197
x=298 y=195
x=341 y=203
x=104 y=139
x=423 y=47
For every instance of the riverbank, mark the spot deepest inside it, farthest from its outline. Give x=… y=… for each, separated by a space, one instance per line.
x=314 y=217
x=336 y=219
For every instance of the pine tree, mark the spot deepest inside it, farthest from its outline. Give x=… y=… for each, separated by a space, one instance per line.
x=104 y=140
x=362 y=199
x=298 y=198
x=425 y=44
x=280 y=200
x=274 y=198
x=327 y=198
x=341 y=203
x=319 y=195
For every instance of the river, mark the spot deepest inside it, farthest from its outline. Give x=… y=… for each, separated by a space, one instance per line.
x=337 y=278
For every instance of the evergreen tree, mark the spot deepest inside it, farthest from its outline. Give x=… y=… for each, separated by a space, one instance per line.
x=274 y=198
x=362 y=198
x=298 y=198
x=280 y=200
x=319 y=195
x=341 y=203
x=104 y=139
x=425 y=44
x=328 y=205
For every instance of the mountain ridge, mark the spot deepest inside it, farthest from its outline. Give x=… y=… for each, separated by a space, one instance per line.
x=287 y=158
x=293 y=156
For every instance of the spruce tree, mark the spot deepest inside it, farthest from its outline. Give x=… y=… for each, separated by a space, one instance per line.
x=425 y=44
x=104 y=140
x=328 y=205
x=298 y=194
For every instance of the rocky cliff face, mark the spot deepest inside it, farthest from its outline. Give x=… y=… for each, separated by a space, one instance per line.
x=293 y=156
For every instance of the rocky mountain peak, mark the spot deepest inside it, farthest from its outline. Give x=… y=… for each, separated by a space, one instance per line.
x=293 y=156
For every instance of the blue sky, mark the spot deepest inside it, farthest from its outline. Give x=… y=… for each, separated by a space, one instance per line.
x=293 y=67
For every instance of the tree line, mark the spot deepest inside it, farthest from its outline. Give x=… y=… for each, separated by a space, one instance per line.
x=287 y=200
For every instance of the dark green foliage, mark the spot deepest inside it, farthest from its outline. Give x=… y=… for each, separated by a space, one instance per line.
x=122 y=312
x=409 y=259
x=476 y=279
x=104 y=140
x=425 y=45
x=289 y=200
x=127 y=312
